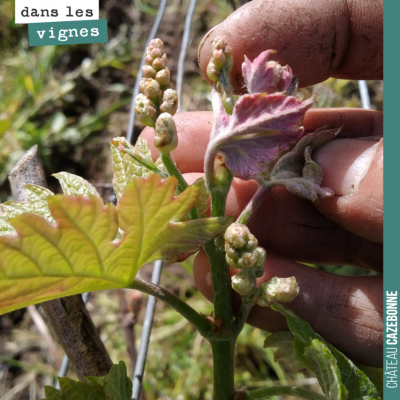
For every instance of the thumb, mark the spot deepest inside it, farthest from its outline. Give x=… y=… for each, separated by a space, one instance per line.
x=353 y=169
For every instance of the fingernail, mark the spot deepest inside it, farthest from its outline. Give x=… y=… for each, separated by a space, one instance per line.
x=358 y=170
x=344 y=163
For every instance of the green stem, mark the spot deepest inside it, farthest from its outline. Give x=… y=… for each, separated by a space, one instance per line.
x=223 y=358
x=253 y=204
x=218 y=202
x=199 y=322
x=182 y=184
x=145 y=161
x=220 y=278
x=223 y=351
x=241 y=318
x=281 y=391
x=173 y=171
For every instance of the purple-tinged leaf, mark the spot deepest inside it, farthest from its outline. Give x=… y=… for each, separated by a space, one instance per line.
x=293 y=161
x=260 y=126
x=263 y=76
x=298 y=172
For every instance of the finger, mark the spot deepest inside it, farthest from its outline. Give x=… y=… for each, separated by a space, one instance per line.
x=353 y=169
x=194 y=130
x=318 y=39
x=355 y=122
x=326 y=301
x=289 y=226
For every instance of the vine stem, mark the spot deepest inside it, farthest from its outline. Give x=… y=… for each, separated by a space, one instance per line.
x=241 y=318
x=173 y=171
x=263 y=393
x=198 y=321
x=182 y=184
x=223 y=351
x=253 y=204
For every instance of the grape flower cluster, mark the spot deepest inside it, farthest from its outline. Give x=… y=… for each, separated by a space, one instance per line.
x=157 y=102
x=242 y=252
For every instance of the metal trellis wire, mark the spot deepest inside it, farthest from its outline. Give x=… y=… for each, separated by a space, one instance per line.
x=145 y=339
x=183 y=52
x=365 y=101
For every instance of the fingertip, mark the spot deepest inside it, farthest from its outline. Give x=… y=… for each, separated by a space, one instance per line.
x=316 y=39
x=354 y=170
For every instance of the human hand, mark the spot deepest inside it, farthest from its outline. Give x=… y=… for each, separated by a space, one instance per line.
x=346 y=311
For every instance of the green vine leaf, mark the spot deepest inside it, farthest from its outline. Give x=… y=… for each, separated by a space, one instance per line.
x=116 y=385
x=46 y=261
x=126 y=169
x=36 y=204
x=202 y=203
x=5 y=227
x=319 y=359
x=283 y=342
x=375 y=375
x=335 y=372
x=74 y=185
x=72 y=390
x=38 y=197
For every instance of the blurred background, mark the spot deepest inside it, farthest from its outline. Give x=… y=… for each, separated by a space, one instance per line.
x=70 y=101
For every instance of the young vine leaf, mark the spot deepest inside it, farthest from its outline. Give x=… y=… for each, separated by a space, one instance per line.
x=126 y=169
x=114 y=386
x=203 y=202
x=38 y=199
x=45 y=261
x=74 y=185
x=283 y=343
x=36 y=204
x=338 y=376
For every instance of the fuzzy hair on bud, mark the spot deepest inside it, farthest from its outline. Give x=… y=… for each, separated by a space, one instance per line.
x=212 y=72
x=166 y=138
x=170 y=102
x=218 y=70
x=239 y=237
x=242 y=249
x=151 y=89
x=243 y=284
x=158 y=64
x=149 y=72
x=156 y=43
x=156 y=53
x=284 y=290
x=156 y=61
x=162 y=77
x=145 y=110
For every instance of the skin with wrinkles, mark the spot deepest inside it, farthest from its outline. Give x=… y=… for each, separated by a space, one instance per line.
x=337 y=38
